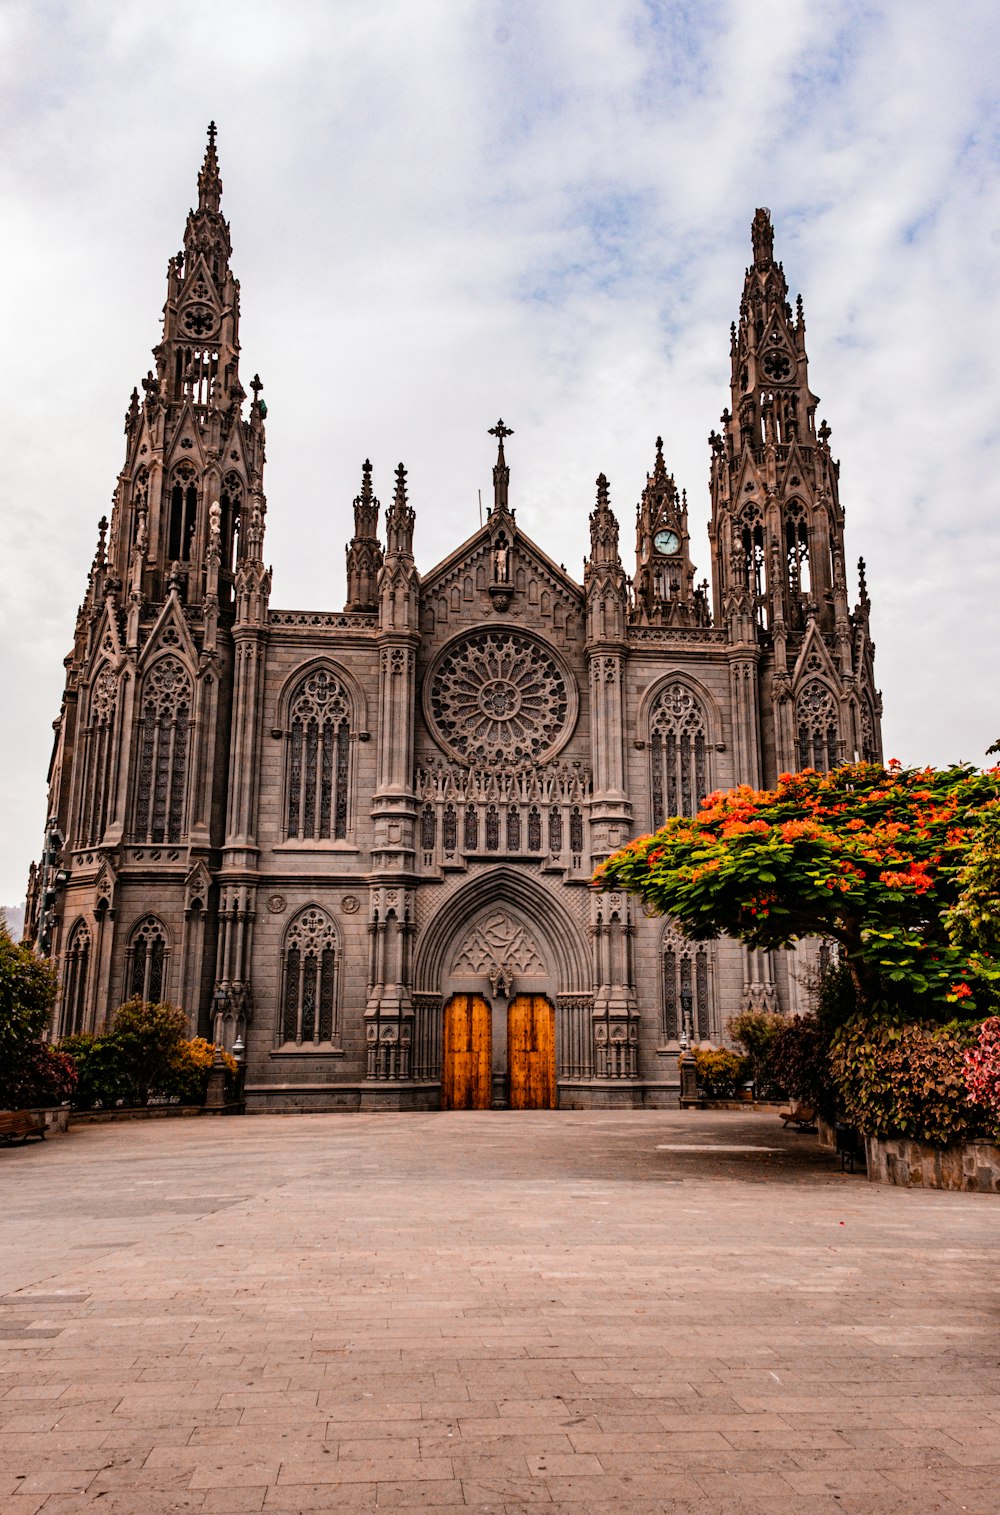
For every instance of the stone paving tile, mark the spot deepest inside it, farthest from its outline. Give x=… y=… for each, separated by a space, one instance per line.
x=493 y=1311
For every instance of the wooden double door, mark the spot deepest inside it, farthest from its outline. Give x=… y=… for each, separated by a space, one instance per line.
x=470 y=1075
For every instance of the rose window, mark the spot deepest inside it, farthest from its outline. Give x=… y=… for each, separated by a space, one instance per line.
x=499 y=697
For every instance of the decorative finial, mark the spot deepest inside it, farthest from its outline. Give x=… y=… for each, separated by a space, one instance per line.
x=212 y=132
x=500 y=431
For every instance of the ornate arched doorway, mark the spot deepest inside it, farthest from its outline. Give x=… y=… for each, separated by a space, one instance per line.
x=504 y=955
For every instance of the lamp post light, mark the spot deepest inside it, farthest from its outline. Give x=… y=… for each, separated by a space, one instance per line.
x=685 y=1062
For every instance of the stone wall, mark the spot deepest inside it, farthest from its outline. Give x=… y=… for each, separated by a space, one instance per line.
x=970 y=1166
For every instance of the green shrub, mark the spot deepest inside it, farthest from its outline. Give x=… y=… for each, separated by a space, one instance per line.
x=720 y=1072
x=755 y=1031
x=43 y=1077
x=905 y=1080
x=146 y=1039
x=27 y=994
x=799 y=1063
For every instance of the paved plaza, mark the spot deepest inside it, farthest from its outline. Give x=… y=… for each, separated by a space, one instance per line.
x=545 y=1311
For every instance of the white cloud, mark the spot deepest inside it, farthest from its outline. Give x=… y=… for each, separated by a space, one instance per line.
x=445 y=212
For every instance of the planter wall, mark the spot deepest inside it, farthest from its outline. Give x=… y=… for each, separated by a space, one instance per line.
x=970 y=1166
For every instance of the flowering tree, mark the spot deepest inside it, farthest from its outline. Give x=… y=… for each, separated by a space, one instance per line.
x=869 y=857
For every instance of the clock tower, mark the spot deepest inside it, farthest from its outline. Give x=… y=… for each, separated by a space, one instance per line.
x=665 y=593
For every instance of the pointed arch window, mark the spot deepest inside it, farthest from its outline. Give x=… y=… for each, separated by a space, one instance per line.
x=76 y=977
x=318 y=759
x=98 y=752
x=164 y=738
x=231 y=505
x=687 y=982
x=818 y=727
x=797 y=551
x=678 y=753
x=146 y=961
x=183 y=513
x=310 y=974
x=754 y=569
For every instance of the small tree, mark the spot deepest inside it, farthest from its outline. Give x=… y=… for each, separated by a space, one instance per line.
x=27 y=994
x=146 y=1039
x=866 y=856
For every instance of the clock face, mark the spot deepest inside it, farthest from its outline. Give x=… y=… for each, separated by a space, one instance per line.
x=666 y=542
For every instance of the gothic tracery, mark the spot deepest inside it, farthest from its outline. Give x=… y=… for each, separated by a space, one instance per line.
x=677 y=746
x=318 y=759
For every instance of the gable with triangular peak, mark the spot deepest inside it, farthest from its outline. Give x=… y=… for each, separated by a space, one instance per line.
x=186 y=440
x=749 y=473
x=815 y=661
x=106 y=643
x=456 y=593
x=170 y=631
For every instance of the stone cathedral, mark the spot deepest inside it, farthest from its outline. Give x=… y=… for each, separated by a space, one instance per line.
x=360 y=841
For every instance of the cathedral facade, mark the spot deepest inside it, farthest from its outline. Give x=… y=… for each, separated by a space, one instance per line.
x=358 y=843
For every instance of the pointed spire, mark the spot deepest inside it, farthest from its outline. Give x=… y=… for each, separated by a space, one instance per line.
x=364 y=554
x=501 y=473
x=399 y=519
x=603 y=527
x=209 y=181
x=207 y=231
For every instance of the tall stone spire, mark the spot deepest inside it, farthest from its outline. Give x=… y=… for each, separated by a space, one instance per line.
x=189 y=449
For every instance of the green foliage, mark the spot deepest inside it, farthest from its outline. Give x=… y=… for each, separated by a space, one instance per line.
x=973 y=922
x=27 y=994
x=100 y=1078
x=144 y=1055
x=756 y=1031
x=868 y=857
x=982 y=1076
x=720 y=1072
x=42 y=1077
x=800 y=1063
x=904 y=1080
x=146 y=1040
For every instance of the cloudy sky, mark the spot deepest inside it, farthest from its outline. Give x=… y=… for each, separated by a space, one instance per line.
x=454 y=210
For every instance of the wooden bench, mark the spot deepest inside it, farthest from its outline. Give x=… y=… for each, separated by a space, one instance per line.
x=802 y=1116
x=21 y=1123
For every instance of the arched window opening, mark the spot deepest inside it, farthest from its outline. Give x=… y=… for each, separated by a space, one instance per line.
x=797 y=551
x=678 y=754
x=449 y=829
x=194 y=370
x=576 y=830
x=98 y=746
x=534 y=829
x=163 y=739
x=231 y=505
x=183 y=513
x=428 y=832
x=318 y=759
x=818 y=728
x=75 y=980
x=754 y=568
x=513 y=829
x=555 y=831
x=687 y=988
x=492 y=829
x=147 y=953
x=471 y=829
x=310 y=974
